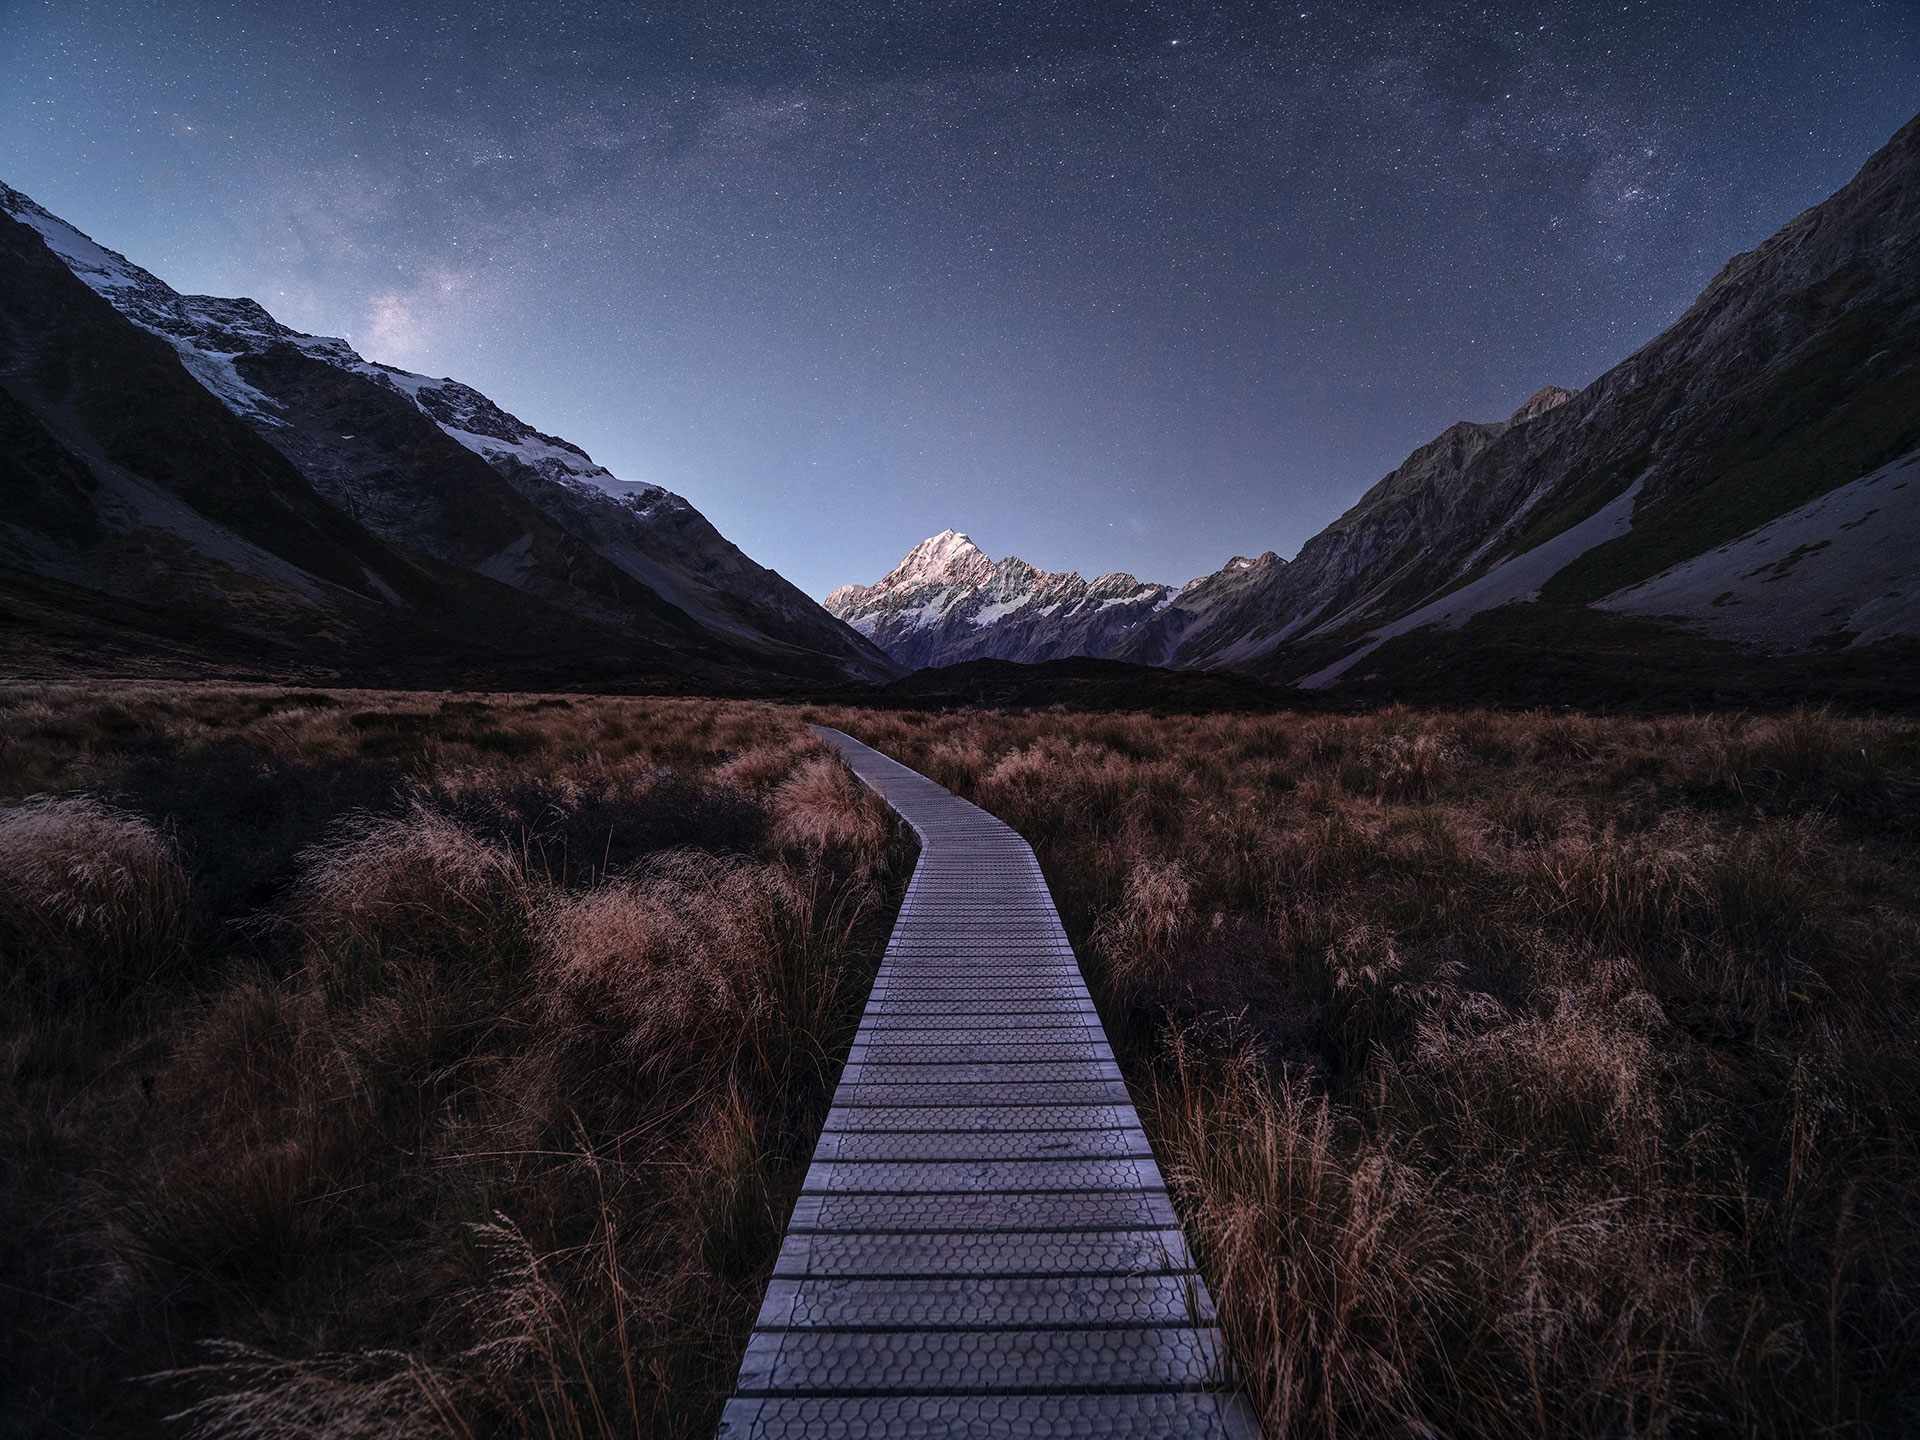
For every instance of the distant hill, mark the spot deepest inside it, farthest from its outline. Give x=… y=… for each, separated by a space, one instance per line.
x=1078 y=683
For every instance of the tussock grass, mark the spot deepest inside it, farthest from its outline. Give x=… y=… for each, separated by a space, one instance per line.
x=92 y=902
x=1517 y=1074
x=410 y=1065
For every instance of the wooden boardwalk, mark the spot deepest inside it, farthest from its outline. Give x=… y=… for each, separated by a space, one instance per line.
x=983 y=1245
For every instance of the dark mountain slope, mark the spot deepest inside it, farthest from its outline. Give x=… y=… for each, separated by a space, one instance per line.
x=142 y=518
x=102 y=389
x=402 y=476
x=47 y=488
x=438 y=470
x=1795 y=372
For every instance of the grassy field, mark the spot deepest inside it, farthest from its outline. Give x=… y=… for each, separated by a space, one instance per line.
x=1517 y=1074
x=403 y=1064
x=424 y=1065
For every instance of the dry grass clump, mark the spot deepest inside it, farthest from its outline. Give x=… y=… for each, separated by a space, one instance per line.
x=1141 y=936
x=477 y=1081
x=1518 y=1074
x=820 y=807
x=251 y=1395
x=1325 y=1249
x=385 y=902
x=90 y=898
x=695 y=945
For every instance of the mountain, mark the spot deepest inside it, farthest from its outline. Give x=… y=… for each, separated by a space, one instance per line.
x=1395 y=524
x=1731 y=511
x=437 y=472
x=948 y=602
x=1759 y=421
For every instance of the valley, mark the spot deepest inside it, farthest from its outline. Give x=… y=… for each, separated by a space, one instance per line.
x=454 y=1059
x=1794 y=376
x=483 y=957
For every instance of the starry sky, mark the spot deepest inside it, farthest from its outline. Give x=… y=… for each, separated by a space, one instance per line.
x=1110 y=286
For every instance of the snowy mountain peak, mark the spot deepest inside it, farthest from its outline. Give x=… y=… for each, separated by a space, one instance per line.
x=948 y=556
x=949 y=601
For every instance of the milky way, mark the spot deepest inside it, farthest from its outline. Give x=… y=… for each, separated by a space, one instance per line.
x=1107 y=286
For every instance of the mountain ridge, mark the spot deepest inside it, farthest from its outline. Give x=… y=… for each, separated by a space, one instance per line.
x=437 y=469
x=947 y=601
x=146 y=524
x=1762 y=395
x=1793 y=374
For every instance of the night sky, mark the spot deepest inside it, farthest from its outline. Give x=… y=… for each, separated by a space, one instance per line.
x=1107 y=286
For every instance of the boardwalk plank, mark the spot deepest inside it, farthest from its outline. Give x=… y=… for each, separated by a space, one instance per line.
x=983 y=1245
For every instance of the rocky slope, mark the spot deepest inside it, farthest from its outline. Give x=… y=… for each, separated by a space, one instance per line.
x=1837 y=571
x=438 y=471
x=145 y=529
x=1795 y=372
x=948 y=602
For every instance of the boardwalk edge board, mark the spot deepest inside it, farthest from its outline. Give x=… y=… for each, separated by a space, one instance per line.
x=983 y=1245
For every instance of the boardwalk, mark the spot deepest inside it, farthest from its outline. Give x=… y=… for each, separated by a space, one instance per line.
x=983 y=1246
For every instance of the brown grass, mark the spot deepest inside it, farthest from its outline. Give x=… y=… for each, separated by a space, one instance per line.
x=1517 y=1074
x=411 y=1065
x=91 y=900
x=443 y=1066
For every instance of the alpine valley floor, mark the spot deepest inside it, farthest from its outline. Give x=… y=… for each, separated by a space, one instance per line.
x=448 y=1064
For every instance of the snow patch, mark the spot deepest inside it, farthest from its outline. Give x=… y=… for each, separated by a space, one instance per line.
x=987 y=614
x=216 y=370
x=1517 y=581
x=1842 y=564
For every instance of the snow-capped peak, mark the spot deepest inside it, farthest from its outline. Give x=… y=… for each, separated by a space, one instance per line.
x=100 y=267
x=946 y=556
x=948 y=600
